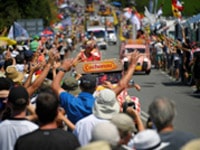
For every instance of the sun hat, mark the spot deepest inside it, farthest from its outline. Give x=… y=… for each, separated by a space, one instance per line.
x=70 y=84
x=14 y=75
x=100 y=145
x=148 y=139
x=100 y=133
x=123 y=122
x=88 y=81
x=106 y=104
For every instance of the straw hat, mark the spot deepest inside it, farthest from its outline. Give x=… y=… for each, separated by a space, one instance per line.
x=13 y=74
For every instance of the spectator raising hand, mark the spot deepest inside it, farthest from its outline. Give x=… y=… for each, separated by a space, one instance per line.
x=39 y=80
x=124 y=82
x=67 y=64
x=134 y=57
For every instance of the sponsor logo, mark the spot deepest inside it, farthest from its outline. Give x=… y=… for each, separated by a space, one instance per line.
x=99 y=67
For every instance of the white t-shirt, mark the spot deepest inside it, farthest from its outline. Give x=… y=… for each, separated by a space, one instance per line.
x=159 y=48
x=84 y=127
x=20 y=67
x=11 y=129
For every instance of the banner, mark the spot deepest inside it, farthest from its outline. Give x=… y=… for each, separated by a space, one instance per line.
x=17 y=31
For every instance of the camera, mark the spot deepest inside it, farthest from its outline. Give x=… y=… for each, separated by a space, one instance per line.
x=126 y=64
x=126 y=104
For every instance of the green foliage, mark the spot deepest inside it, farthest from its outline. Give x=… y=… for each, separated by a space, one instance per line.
x=12 y=10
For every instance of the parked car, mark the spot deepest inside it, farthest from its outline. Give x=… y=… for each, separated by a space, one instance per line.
x=112 y=38
x=144 y=61
x=100 y=34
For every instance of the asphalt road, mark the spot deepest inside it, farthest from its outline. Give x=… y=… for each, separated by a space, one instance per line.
x=157 y=84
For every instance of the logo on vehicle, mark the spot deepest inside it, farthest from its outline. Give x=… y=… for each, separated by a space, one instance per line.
x=99 y=67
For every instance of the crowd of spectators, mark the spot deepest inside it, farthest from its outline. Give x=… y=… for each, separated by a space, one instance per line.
x=179 y=58
x=42 y=108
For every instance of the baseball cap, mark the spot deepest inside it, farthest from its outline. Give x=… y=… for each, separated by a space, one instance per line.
x=106 y=104
x=88 y=81
x=18 y=96
x=70 y=84
x=28 y=53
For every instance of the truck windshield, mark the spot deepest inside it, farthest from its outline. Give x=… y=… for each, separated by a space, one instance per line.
x=97 y=34
x=141 y=50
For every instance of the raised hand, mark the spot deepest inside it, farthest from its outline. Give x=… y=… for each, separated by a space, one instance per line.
x=67 y=64
x=134 y=57
x=51 y=57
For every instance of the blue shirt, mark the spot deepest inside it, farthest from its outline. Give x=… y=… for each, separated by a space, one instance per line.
x=77 y=107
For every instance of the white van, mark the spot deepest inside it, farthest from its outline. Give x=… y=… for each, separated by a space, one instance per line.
x=112 y=37
x=100 y=34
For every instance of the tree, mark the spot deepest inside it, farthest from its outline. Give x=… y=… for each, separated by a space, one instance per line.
x=12 y=10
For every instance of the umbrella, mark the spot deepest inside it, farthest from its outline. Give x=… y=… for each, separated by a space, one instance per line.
x=6 y=41
x=117 y=4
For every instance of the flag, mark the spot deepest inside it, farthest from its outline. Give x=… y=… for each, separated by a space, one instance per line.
x=177 y=8
x=151 y=18
x=151 y=5
x=116 y=22
x=17 y=31
x=160 y=11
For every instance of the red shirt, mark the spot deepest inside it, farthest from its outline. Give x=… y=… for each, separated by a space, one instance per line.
x=95 y=55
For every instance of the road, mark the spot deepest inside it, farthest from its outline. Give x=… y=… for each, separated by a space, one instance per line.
x=159 y=84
